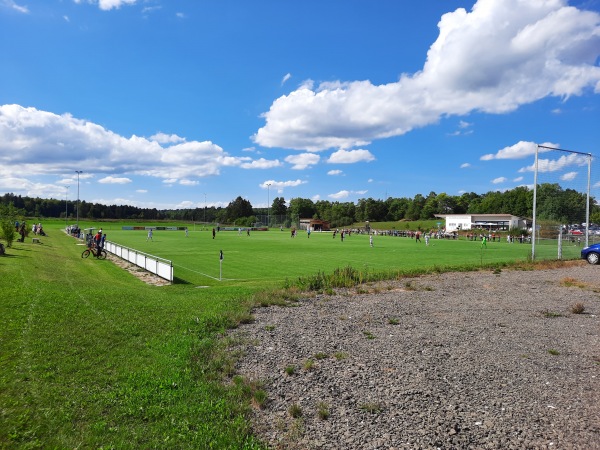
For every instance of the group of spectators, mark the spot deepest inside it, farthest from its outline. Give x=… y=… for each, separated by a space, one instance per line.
x=74 y=231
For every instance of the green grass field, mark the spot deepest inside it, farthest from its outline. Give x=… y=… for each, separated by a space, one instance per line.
x=273 y=256
x=91 y=357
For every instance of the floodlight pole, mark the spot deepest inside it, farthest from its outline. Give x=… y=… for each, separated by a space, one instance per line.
x=268 y=205
x=78 y=172
x=205 y=209
x=66 y=206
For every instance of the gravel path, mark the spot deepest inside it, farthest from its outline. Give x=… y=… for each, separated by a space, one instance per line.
x=454 y=361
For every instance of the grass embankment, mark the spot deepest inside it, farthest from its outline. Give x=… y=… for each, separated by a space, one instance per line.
x=92 y=357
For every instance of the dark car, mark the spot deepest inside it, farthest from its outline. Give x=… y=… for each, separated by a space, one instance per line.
x=591 y=253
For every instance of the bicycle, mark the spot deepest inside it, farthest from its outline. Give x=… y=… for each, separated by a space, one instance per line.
x=98 y=253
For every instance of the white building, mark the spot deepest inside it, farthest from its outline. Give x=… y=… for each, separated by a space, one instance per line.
x=497 y=222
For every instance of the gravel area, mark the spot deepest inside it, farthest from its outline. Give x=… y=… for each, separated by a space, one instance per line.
x=454 y=361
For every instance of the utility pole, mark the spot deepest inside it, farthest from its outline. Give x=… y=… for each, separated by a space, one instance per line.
x=78 y=172
x=66 y=206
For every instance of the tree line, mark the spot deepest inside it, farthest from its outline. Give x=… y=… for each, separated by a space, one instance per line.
x=554 y=203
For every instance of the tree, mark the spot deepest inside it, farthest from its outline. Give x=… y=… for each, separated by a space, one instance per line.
x=238 y=208
x=302 y=207
x=279 y=208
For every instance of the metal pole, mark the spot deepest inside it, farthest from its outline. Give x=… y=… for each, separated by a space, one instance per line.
x=268 y=205
x=587 y=203
x=66 y=206
x=78 y=172
x=534 y=223
x=205 y=209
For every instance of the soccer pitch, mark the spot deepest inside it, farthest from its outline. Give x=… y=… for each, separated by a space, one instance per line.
x=271 y=257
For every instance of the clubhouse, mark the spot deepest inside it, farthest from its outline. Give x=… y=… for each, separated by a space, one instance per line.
x=492 y=222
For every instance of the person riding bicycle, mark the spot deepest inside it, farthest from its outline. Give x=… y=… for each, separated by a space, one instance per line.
x=98 y=243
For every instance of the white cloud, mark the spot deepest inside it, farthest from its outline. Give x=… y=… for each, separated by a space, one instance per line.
x=141 y=191
x=569 y=176
x=335 y=172
x=261 y=164
x=499 y=180
x=279 y=186
x=340 y=195
x=189 y=182
x=13 y=5
x=107 y=5
x=493 y=59
x=114 y=180
x=41 y=143
x=345 y=194
x=521 y=149
x=286 y=77
x=350 y=156
x=163 y=138
x=554 y=165
x=302 y=161
x=186 y=204
x=518 y=179
x=465 y=165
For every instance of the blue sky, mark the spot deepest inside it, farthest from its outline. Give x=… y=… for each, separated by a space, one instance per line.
x=182 y=103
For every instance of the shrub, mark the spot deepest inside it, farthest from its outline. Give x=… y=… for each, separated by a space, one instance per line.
x=578 y=308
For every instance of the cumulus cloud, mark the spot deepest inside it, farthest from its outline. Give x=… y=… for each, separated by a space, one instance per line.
x=114 y=180
x=465 y=165
x=41 y=143
x=521 y=149
x=302 y=161
x=569 y=176
x=556 y=165
x=350 y=156
x=345 y=194
x=499 y=180
x=492 y=59
x=107 y=5
x=279 y=186
x=163 y=138
x=261 y=163
x=334 y=172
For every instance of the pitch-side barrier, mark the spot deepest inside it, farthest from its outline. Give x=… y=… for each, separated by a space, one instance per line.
x=154 y=264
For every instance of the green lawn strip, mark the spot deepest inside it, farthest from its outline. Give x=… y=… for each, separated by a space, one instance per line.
x=92 y=357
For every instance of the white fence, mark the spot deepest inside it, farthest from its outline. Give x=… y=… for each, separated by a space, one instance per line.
x=159 y=266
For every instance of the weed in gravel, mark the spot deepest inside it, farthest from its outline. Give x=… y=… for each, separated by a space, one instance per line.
x=497 y=271
x=371 y=407
x=572 y=282
x=550 y=314
x=295 y=410
x=553 y=352
x=323 y=410
x=578 y=308
x=308 y=364
x=269 y=327
x=290 y=370
x=393 y=321
x=321 y=355
x=340 y=356
x=409 y=286
x=369 y=335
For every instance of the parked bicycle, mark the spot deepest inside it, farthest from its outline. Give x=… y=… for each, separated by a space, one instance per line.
x=99 y=253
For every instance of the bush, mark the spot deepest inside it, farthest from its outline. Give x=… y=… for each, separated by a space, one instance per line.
x=7 y=231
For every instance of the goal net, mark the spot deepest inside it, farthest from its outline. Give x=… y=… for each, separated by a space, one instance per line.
x=561 y=203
